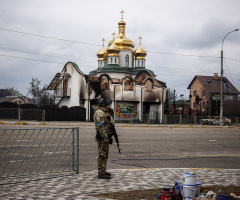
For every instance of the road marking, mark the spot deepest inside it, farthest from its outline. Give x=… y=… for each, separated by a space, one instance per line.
x=208 y=168
x=140 y=169
x=212 y=140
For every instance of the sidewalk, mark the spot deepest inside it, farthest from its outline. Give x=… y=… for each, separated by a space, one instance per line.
x=80 y=186
x=65 y=123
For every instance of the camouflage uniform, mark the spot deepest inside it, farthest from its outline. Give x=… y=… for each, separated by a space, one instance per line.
x=102 y=120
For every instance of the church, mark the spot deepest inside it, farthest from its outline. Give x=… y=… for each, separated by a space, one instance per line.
x=120 y=76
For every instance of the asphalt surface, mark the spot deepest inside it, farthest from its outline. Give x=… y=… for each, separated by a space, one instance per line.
x=151 y=157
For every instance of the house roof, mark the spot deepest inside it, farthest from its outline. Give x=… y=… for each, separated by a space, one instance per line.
x=215 y=85
x=118 y=69
x=77 y=68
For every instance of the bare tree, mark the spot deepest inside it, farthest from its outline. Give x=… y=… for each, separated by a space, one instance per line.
x=40 y=93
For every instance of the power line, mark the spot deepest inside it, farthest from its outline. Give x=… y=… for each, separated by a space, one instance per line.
x=31 y=59
x=44 y=54
x=37 y=60
x=178 y=54
x=86 y=43
x=54 y=38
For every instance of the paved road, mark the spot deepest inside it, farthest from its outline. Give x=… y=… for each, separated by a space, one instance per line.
x=158 y=147
x=171 y=151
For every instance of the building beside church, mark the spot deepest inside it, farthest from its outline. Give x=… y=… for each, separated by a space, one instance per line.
x=121 y=76
x=205 y=96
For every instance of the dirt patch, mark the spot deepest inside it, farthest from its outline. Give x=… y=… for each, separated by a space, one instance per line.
x=152 y=194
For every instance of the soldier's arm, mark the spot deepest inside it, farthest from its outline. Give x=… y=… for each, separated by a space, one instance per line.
x=100 y=126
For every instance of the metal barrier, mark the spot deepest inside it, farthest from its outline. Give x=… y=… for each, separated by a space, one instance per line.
x=22 y=114
x=38 y=151
x=169 y=119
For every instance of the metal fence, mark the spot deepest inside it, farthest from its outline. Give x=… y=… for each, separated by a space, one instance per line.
x=169 y=119
x=38 y=151
x=22 y=114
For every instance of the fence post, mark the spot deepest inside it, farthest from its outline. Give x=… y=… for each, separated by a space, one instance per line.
x=180 y=119
x=195 y=119
x=236 y=121
x=77 y=132
x=19 y=114
x=73 y=150
x=43 y=115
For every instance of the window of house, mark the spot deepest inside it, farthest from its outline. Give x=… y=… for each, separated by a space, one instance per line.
x=204 y=93
x=127 y=61
x=195 y=93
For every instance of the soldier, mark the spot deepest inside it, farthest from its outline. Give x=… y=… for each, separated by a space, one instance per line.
x=103 y=121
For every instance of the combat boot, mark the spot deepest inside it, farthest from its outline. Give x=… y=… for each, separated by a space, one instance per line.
x=104 y=176
x=108 y=174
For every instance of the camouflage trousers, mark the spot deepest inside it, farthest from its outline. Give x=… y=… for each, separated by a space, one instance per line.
x=103 y=149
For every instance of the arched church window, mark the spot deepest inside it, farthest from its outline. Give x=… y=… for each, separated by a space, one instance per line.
x=115 y=60
x=142 y=64
x=100 y=64
x=138 y=63
x=104 y=83
x=111 y=60
x=149 y=86
x=128 y=85
x=127 y=61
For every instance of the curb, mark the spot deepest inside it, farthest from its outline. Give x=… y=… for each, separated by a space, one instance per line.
x=119 y=125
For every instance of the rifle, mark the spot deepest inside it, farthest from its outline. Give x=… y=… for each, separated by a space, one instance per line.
x=115 y=136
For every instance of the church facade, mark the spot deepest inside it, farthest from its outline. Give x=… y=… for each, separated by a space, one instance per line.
x=121 y=76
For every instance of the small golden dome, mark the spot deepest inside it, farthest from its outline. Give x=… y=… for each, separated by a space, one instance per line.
x=102 y=54
x=140 y=53
x=113 y=50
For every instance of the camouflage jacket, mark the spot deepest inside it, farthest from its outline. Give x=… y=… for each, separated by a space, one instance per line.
x=103 y=121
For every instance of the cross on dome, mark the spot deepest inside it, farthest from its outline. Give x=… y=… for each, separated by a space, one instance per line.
x=113 y=34
x=122 y=14
x=103 y=40
x=140 y=40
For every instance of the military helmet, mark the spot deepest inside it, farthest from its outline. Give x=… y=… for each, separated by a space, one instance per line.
x=104 y=102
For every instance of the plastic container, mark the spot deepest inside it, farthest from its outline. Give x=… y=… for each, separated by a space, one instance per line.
x=189 y=191
x=174 y=188
x=198 y=185
x=166 y=194
x=189 y=178
x=159 y=197
x=224 y=197
x=177 y=193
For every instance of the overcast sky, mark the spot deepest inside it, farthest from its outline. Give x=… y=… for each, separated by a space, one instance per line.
x=182 y=37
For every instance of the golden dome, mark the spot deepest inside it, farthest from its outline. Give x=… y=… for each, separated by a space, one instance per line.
x=113 y=50
x=102 y=54
x=121 y=40
x=140 y=53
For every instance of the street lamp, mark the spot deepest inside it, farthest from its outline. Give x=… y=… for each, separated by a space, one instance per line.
x=221 y=94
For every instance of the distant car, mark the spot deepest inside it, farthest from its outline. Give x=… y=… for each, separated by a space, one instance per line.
x=215 y=121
